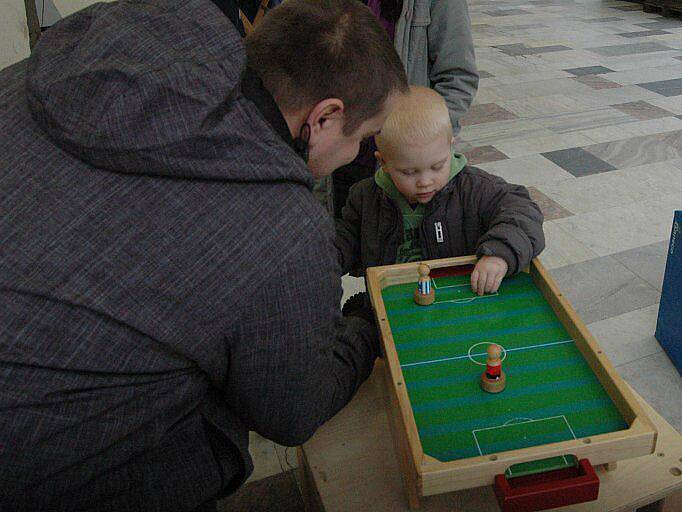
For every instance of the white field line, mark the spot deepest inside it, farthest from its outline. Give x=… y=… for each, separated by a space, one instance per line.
x=442 y=360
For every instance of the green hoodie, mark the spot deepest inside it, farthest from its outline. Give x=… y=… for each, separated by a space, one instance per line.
x=410 y=249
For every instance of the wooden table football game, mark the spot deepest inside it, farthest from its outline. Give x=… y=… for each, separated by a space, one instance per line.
x=349 y=465
x=564 y=407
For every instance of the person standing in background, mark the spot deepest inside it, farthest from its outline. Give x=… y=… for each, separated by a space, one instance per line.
x=433 y=40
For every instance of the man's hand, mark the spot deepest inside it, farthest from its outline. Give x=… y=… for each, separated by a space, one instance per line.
x=488 y=274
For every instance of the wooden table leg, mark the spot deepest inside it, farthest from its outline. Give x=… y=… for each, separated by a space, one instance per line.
x=311 y=498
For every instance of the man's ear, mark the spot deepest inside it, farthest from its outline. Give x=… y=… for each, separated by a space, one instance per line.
x=324 y=114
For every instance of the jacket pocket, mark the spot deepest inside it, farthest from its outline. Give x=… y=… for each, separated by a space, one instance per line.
x=419 y=40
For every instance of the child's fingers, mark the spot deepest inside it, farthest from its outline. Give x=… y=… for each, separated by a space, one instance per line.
x=480 y=286
x=498 y=282
x=490 y=282
x=474 y=279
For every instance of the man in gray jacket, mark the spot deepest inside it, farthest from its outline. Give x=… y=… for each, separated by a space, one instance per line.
x=167 y=280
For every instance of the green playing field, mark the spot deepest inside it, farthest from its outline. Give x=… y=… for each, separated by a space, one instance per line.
x=551 y=393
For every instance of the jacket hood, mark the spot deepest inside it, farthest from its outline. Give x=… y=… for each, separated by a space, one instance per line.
x=152 y=87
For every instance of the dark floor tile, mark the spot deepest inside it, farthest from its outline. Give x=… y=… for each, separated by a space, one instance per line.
x=596 y=82
x=547 y=49
x=520 y=49
x=627 y=8
x=589 y=70
x=513 y=50
x=578 y=162
x=486 y=113
x=526 y=26
x=602 y=20
x=647 y=262
x=506 y=12
x=278 y=492
x=620 y=50
x=642 y=110
x=664 y=87
x=602 y=288
x=483 y=154
x=550 y=208
x=643 y=33
x=661 y=24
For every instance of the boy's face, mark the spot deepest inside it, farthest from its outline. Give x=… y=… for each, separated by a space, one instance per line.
x=419 y=171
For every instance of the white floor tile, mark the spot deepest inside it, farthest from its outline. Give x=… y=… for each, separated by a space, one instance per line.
x=527 y=170
x=628 y=337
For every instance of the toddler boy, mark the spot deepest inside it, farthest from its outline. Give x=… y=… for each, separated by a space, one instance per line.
x=425 y=202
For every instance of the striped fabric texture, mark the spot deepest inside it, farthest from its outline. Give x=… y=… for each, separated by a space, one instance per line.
x=153 y=233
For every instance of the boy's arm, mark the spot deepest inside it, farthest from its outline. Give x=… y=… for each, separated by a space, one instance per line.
x=348 y=231
x=451 y=52
x=511 y=221
x=294 y=361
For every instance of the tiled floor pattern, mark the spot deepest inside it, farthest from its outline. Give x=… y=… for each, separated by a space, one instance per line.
x=581 y=101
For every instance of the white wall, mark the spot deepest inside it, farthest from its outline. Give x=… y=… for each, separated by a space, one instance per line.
x=51 y=11
x=14 y=44
x=14 y=40
x=66 y=7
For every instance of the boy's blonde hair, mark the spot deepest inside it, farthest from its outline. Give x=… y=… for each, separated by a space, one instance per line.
x=419 y=117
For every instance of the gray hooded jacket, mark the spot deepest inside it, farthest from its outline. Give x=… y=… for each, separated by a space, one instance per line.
x=433 y=39
x=167 y=280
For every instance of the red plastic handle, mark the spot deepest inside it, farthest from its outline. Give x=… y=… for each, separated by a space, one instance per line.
x=547 y=490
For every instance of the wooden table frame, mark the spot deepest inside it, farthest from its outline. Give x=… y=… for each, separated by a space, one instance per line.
x=424 y=475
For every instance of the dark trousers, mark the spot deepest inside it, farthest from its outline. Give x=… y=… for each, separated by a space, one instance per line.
x=209 y=506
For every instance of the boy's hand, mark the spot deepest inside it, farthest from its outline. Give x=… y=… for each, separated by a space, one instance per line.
x=488 y=274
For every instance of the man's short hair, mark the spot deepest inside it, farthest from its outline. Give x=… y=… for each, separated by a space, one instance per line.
x=306 y=51
x=418 y=117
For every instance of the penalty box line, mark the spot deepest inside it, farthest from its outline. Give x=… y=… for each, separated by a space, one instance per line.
x=525 y=421
x=518 y=349
x=435 y=285
x=468 y=299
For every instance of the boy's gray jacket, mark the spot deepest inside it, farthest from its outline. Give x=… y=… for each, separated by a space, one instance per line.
x=433 y=39
x=475 y=213
x=163 y=266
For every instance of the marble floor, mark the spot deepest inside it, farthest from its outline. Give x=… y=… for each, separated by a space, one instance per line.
x=581 y=101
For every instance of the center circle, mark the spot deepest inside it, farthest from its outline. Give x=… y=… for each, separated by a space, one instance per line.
x=472 y=347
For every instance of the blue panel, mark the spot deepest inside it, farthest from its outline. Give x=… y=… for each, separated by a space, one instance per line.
x=669 y=326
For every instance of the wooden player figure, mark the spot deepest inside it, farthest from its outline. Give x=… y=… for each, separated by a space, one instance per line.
x=493 y=379
x=424 y=294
